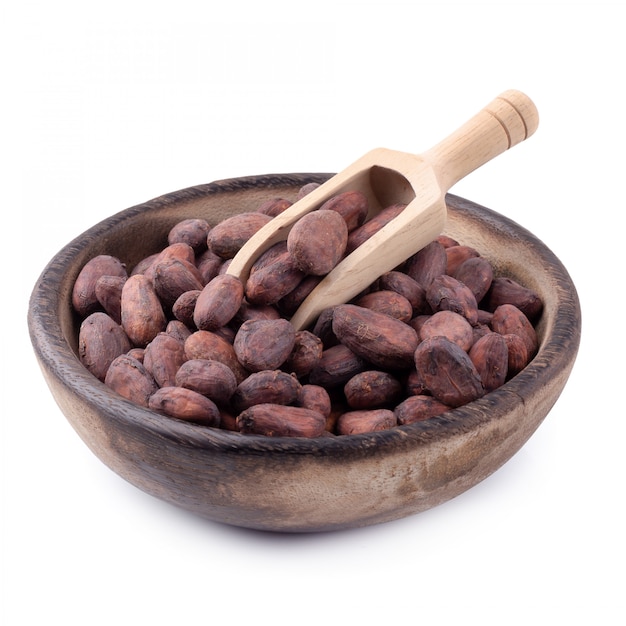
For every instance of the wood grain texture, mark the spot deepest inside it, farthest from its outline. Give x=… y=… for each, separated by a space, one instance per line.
x=293 y=484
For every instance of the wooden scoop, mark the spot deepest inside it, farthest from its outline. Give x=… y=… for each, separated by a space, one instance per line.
x=387 y=177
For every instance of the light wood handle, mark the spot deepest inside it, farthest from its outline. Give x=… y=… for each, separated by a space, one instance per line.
x=508 y=120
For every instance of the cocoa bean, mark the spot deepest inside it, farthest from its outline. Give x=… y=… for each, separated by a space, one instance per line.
x=209 y=265
x=476 y=274
x=448 y=372
x=315 y=398
x=418 y=408
x=507 y=319
x=275 y=420
x=353 y=206
x=431 y=261
x=184 y=307
x=218 y=302
x=450 y=325
x=178 y=330
x=226 y=238
x=337 y=365
x=306 y=189
x=317 y=242
x=129 y=378
x=172 y=277
x=163 y=357
x=305 y=354
x=268 y=386
x=508 y=291
x=379 y=339
x=204 y=344
x=192 y=231
x=142 y=314
x=264 y=344
x=361 y=234
x=446 y=293
x=185 y=404
x=457 y=255
x=109 y=294
x=100 y=341
x=366 y=421
x=372 y=389
x=403 y=284
x=84 y=298
x=517 y=353
x=289 y=303
x=388 y=302
x=274 y=281
x=274 y=206
x=490 y=357
x=209 y=378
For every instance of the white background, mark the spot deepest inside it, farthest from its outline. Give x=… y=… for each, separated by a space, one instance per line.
x=108 y=105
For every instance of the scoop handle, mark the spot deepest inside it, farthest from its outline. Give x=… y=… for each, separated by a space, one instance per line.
x=506 y=121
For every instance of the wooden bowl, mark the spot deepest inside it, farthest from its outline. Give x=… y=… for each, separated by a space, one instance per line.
x=296 y=484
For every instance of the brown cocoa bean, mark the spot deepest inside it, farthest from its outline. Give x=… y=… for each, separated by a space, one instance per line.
x=178 y=330
x=269 y=256
x=305 y=354
x=490 y=356
x=289 y=303
x=274 y=281
x=366 y=421
x=180 y=250
x=457 y=255
x=129 y=378
x=446 y=293
x=185 y=404
x=353 y=206
x=418 y=408
x=306 y=189
x=84 y=298
x=508 y=291
x=142 y=315
x=218 y=302
x=323 y=328
x=192 y=231
x=507 y=319
x=163 y=357
x=100 y=340
x=337 y=365
x=476 y=274
x=361 y=234
x=274 y=206
x=448 y=372
x=264 y=344
x=268 y=386
x=446 y=241
x=414 y=384
x=185 y=306
x=137 y=353
x=144 y=264
x=318 y=241
x=450 y=325
x=210 y=378
x=381 y=340
x=403 y=284
x=275 y=420
x=109 y=294
x=226 y=238
x=204 y=344
x=209 y=265
x=315 y=398
x=431 y=261
x=517 y=353
x=252 y=312
x=388 y=302
x=372 y=390
x=172 y=277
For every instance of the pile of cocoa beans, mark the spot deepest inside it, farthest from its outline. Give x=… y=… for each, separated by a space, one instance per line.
x=180 y=336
